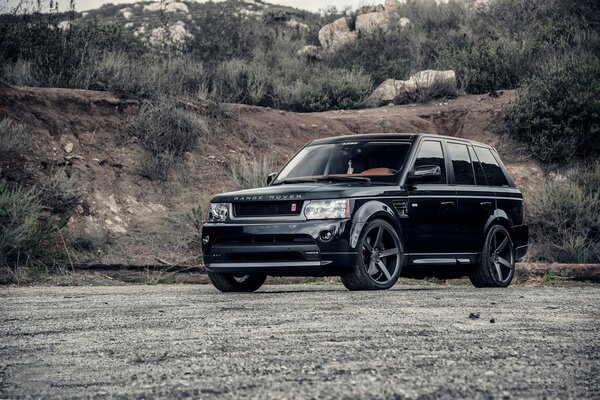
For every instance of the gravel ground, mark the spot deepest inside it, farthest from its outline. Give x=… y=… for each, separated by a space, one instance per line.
x=300 y=341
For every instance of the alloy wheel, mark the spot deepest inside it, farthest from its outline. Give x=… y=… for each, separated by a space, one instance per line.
x=381 y=254
x=501 y=256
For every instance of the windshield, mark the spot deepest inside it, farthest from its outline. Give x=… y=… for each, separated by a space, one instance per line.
x=379 y=161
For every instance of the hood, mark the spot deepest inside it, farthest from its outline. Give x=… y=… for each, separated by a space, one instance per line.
x=305 y=191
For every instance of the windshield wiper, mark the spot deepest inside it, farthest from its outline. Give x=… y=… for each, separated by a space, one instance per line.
x=328 y=178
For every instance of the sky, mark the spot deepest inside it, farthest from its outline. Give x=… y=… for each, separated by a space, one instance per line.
x=312 y=5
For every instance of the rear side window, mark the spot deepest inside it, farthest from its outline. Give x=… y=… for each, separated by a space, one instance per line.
x=461 y=163
x=479 y=175
x=493 y=172
x=431 y=153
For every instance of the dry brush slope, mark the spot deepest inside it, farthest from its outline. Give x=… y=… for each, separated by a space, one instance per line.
x=149 y=220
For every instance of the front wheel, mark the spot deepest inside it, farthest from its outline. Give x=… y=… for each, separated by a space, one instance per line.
x=497 y=267
x=236 y=283
x=379 y=258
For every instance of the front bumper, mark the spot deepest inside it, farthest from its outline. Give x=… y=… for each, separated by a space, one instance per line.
x=278 y=248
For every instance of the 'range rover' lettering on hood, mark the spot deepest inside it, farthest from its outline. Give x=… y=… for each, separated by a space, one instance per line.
x=269 y=197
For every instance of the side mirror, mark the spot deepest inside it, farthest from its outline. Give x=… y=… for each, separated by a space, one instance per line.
x=270 y=177
x=425 y=173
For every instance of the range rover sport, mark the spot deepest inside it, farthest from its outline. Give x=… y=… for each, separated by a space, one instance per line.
x=372 y=208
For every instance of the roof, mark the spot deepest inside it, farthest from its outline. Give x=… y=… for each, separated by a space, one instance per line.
x=411 y=137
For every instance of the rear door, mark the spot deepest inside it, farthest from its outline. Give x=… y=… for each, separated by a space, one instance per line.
x=475 y=199
x=429 y=229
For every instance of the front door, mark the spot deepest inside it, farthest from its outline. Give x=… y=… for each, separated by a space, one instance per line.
x=429 y=230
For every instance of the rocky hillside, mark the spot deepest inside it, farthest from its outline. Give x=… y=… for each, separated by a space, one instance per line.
x=82 y=132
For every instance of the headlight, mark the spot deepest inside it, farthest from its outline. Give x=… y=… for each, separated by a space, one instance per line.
x=327 y=209
x=218 y=212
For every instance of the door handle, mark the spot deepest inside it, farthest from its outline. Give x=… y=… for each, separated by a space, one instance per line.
x=447 y=203
x=486 y=204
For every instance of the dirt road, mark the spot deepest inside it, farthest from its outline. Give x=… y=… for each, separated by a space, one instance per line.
x=300 y=341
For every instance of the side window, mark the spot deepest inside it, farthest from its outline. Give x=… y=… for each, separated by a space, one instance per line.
x=461 y=163
x=431 y=153
x=493 y=172
x=479 y=175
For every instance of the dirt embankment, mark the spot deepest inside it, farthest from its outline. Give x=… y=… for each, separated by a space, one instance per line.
x=149 y=220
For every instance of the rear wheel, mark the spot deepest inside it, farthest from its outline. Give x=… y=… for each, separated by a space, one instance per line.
x=497 y=267
x=236 y=283
x=379 y=258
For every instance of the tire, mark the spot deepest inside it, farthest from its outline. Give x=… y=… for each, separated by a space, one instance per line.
x=379 y=259
x=233 y=283
x=497 y=266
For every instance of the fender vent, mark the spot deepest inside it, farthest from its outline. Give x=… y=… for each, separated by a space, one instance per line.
x=401 y=207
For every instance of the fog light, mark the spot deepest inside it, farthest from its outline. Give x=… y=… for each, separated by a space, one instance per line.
x=205 y=240
x=325 y=236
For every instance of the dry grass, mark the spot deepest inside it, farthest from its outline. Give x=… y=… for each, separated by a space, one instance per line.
x=251 y=173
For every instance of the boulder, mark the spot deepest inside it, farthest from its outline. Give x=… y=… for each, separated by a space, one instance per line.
x=391 y=88
x=336 y=34
x=404 y=22
x=372 y=21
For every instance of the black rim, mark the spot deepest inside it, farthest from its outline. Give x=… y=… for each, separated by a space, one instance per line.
x=501 y=256
x=381 y=254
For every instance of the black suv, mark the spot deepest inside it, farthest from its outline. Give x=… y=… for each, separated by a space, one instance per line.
x=371 y=208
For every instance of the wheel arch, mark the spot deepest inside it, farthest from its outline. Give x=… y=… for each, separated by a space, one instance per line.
x=370 y=211
x=498 y=217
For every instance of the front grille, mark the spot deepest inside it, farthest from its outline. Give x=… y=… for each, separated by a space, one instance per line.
x=267 y=209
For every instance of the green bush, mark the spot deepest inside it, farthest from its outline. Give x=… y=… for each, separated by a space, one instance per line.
x=565 y=217
x=19 y=73
x=24 y=229
x=333 y=90
x=13 y=137
x=145 y=77
x=167 y=131
x=238 y=81
x=558 y=114
x=62 y=193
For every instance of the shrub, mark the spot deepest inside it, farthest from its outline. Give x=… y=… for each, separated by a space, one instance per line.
x=253 y=173
x=165 y=127
x=156 y=167
x=13 y=137
x=565 y=219
x=238 y=81
x=167 y=131
x=24 y=230
x=89 y=238
x=558 y=115
x=439 y=88
x=146 y=77
x=61 y=193
x=19 y=73
x=335 y=89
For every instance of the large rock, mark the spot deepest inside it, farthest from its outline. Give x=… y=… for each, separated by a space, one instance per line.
x=385 y=18
x=336 y=34
x=372 y=21
x=391 y=88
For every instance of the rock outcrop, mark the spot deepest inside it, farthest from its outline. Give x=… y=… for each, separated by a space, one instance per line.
x=391 y=88
x=338 y=33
